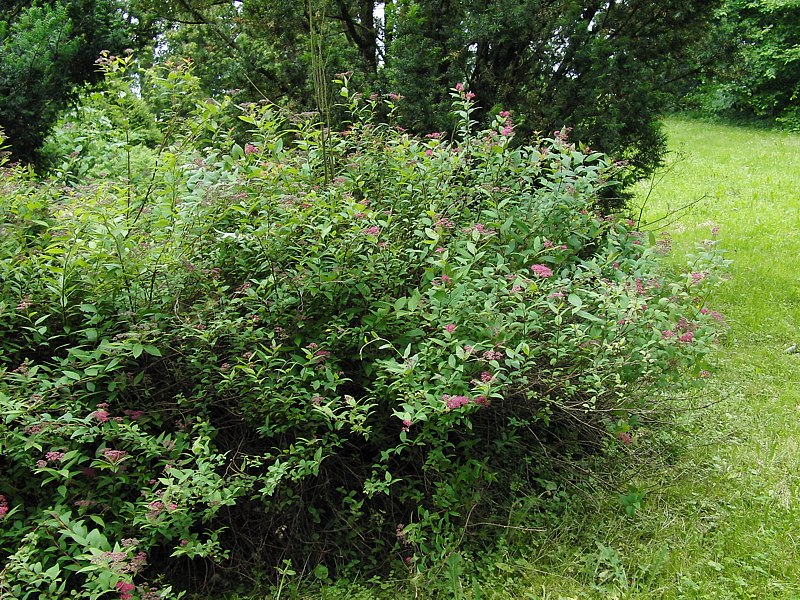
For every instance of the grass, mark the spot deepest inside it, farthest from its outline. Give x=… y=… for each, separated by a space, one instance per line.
x=720 y=515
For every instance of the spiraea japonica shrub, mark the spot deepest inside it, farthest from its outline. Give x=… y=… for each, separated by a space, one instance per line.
x=313 y=345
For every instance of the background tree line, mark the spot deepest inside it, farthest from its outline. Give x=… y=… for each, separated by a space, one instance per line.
x=607 y=69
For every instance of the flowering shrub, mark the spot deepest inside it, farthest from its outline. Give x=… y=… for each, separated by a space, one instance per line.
x=315 y=344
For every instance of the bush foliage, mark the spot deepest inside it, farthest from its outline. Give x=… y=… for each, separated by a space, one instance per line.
x=339 y=348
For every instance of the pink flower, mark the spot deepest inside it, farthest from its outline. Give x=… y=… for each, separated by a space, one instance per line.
x=481 y=228
x=440 y=249
x=486 y=377
x=321 y=356
x=101 y=415
x=454 y=402
x=666 y=334
x=686 y=337
x=250 y=149
x=428 y=152
x=490 y=355
x=504 y=114
x=446 y=280
x=541 y=271
x=481 y=401
x=624 y=437
x=445 y=222
x=459 y=87
x=469 y=95
x=3 y=507
x=54 y=456
x=125 y=590
x=507 y=130
x=25 y=304
x=374 y=231
x=114 y=456
x=450 y=327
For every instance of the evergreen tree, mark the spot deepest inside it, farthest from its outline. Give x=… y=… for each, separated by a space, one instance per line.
x=47 y=49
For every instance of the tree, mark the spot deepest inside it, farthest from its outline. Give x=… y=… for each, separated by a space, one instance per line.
x=47 y=49
x=758 y=74
x=605 y=68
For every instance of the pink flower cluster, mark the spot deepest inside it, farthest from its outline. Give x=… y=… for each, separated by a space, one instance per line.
x=454 y=402
x=492 y=355
x=482 y=229
x=698 y=277
x=25 y=303
x=443 y=280
x=114 y=456
x=125 y=590
x=373 y=231
x=119 y=561
x=444 y=222
x=508 y=124
x=3 y=507
x=101 y=414
x=717 y=316
x=684 y=330
x=541 y=271
x=54 y=456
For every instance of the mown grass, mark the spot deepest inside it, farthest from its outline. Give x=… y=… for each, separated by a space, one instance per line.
x=720 y=516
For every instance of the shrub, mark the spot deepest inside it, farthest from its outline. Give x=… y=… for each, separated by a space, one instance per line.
x=331 y=347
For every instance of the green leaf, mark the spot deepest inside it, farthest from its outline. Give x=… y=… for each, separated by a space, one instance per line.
x=575 y=300
x=321 y=572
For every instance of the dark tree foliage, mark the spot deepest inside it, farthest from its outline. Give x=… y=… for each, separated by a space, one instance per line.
x=47 y=49
x=757 y=73
x=607 y=69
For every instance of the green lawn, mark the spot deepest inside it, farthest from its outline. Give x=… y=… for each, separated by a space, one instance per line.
x=721 y=515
